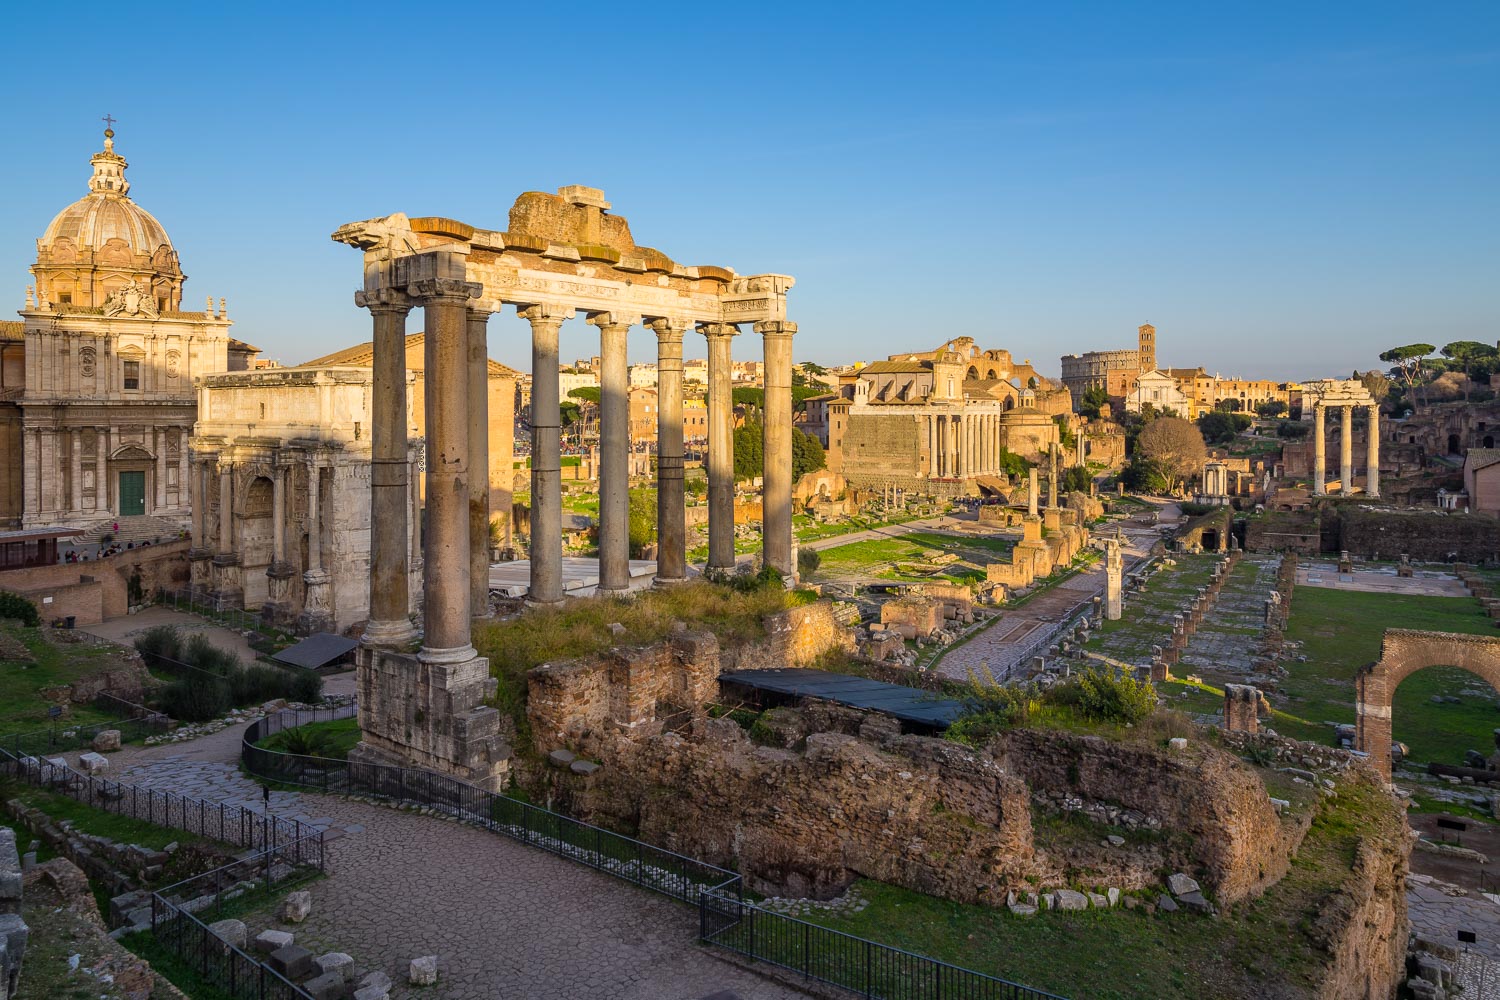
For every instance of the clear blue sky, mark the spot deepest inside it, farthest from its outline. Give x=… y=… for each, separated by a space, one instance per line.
x=1283 y=189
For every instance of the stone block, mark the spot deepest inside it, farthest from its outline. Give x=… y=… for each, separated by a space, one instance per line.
x=107 y=740
x=231 y=932
x=93 y=763
x=293 y=961
x=1166 y=904
x=1098 y=900
x=583 y=767
x=328 y=986
x=269 y=941
x=372 y=993
x=1177 y=743
x=1196 y=902
x=295 y=907
x=1049 y=900
x=561 y=758
x=1179 y=883
x=1067 y=899
x=423 y=971
x=1022 y=909
x=376 y=980
x=1113 y=895
x=336 y=962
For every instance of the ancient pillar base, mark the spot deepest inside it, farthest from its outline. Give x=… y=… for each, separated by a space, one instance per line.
x=315 y=616
x=619 y=593
x=426 y=710
x=663 y=582
x=398 y=634
x=533 y=604
x=227 y=591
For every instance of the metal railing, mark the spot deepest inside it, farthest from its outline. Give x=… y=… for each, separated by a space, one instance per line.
x=185 y=600
x=725 y=918
x=62 y=738
x=177 y=922
x=857 y=964
x=229 y=824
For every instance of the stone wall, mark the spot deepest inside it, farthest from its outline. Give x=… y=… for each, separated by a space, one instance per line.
x=1427 y=536
x=1208 y=797
x=795 y=637
x=1284 y=531
x=98 y=590
x=13 y=930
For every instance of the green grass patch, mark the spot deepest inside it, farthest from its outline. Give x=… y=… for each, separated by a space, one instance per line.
x=1341 y=631
x=23 y=708
x=98 y=822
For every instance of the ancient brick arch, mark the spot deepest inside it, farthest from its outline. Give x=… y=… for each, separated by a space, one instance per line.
x=1402 y=653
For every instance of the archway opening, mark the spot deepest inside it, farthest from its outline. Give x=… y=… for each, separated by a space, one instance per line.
x=1489 y=440
x=1453 y=448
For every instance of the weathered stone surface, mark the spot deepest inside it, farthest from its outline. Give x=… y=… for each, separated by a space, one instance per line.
x=107 y=740
x=295 y=907
x=1180 y=883
x=1166 y=903
x=328 y=986
x=561 y=757
x=93 y=763
x=269 y=941
x=423 y=971
x=1067 y=899
x=1098 y=900
x=336 y=962
x=231 y=932
x=293 y=961
x=583 y=767
x=376 y=980
x=1195 y=901
x=372 y=993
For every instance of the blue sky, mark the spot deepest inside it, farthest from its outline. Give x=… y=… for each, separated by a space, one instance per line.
x=1284 y=190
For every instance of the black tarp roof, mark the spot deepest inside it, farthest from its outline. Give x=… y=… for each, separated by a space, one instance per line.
x=315 y=650
x=904 y=703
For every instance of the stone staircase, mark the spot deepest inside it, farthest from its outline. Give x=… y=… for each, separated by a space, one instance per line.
x=138 y=529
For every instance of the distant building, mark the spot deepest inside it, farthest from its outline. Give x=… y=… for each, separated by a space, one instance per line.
x=1110 y=370
x=1482 y=480
x=1161 y=391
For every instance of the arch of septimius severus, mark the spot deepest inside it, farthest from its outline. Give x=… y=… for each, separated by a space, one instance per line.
x=560 y=255
x=1345 y=394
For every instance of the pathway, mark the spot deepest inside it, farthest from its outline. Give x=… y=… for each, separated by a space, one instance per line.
x=125 y=630
x=505 y=920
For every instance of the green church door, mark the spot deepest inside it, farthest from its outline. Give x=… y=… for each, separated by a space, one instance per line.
x=132 y=493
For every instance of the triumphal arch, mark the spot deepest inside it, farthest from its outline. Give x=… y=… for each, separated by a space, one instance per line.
x=560 y=255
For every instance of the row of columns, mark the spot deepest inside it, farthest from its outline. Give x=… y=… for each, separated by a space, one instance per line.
x=457 y=543
x=1346 y=450
x=964 y=446
x=44 y=448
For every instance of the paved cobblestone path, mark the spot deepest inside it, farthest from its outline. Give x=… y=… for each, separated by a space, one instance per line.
x=505 y=920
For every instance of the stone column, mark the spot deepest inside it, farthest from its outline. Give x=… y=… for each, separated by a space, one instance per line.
x=1052 y=479
x=671 y=516
x=776 y=498
x=720 y=445
x=315 y=608
x=226 y=510
x=182 y=467
x=446 y=586
x=1114 y=572
x=1320 y=458
x=76 y=471
x=546 y=457
x=101 y=472
x=389 y=624
x=479 y=463
x=227 y=592
x=1031 y=492
x=1346 y=451
x=278 y=516
x=1372 y=451
x=159 y=438
x=932 y=451
x=614 y=453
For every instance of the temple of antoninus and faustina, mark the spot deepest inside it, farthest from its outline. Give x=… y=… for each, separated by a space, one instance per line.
x=560 y=255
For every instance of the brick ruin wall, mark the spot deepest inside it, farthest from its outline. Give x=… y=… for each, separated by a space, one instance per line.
x=99 y=590
x=1426 y=536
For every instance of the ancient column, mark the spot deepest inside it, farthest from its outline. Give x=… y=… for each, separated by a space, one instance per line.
x=1346 y=451
x=1114 y=573
x=182 y=466
x=315 y=580
x=226 y=510
x=1372 y=451
x=446 y=586
x=614 y=453
x=546 y=457
x=75 y=471
x=226 y=562
x=1052 y=479
x=479 y=463
x=159 y=439
x=1320 y=472
x=720 y=445
x=101 y=472
x=389 y=624
x=671 y=516
x=278 y=516
x=932 y=447
x=776 y=498
x=1031 y=491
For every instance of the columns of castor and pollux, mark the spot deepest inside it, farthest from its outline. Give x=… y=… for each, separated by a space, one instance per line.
x=1346 y=450
x=456 y=577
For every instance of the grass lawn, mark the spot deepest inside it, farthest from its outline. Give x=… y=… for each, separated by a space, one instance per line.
x=1340 y=631
x=1147 y=620
x=332 y=739
x=98 y=822
x=22 y=707
x=1124 y=955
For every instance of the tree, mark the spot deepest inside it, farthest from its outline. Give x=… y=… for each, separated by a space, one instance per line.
x=749 y=458
x=1064 y=432
x=587 y=393
x=642 y=521
x=1270 y=408
x=1406 y=362
x=1378 y=386
x=807 y=454
x=1220 y=426
x=1012 y=464
x=1174 y=446
x=1144 y=476
x=1093 y=401
x=1229 y=405
x=1076 y=480
x=1468 y=353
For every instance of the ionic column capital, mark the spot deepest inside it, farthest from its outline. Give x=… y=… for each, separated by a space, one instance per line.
x=545 y=315
x=669 y=330
x=604 y=320
x=477 y=315
x=713 y=331
x=453 y=290
x=384 y=300
x=776 y=328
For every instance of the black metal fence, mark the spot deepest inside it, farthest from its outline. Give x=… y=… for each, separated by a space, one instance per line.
x=178 y=913
x=229 y=824
x=725 y=918
x=185 y=600
x=60 y=738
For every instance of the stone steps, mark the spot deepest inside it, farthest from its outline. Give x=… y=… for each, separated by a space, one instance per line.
x=141 y=528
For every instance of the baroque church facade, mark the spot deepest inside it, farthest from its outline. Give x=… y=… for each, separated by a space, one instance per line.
x=96 y=379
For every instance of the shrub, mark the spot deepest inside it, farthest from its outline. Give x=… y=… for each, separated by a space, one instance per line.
x=808 y=561
x=306 y=687
x=17 y=607
x=195 y=698
x=163 y=642
x=1292 y=429
x=1100 y=696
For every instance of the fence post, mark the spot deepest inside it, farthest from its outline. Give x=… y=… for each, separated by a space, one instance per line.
x=869 y=981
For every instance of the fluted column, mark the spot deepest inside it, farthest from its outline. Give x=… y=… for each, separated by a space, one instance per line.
x=546 y=456
x=1346 y=450
x=389 y=624
x=314 y=526
x=278 y=516
x=1372 y=452
x=75 y=471
x=445 y=305
x=479 y=463
x=226 y=510
x=720 y=445
x=671 y=514
x=776 y=497
x=1320 y=455
x=101 y=474
x=614 y=453
x=932 y=447
x=159 y=439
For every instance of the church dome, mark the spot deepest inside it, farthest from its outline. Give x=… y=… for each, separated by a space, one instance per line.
x=107 y=213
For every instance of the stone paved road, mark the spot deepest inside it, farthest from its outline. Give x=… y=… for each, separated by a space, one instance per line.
x=506 y=921
x=1439 y=917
